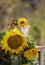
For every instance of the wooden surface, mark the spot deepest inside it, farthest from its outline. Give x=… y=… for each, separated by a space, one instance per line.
x=41 y=48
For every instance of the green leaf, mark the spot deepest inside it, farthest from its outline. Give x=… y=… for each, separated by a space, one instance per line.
x=16 y=60
x=2 y=34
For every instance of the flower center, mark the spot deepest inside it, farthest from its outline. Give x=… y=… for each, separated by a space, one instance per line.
x=22 y=22
x=15 y=41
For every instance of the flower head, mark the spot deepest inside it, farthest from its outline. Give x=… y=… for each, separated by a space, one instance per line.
x=22 y=22
x=14 y=41
x=30 y=53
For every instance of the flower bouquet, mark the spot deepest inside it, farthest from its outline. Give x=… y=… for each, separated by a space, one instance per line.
x=17 y=47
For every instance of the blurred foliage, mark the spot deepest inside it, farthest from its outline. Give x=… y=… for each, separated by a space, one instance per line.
x=22 y=8
x=35 y=34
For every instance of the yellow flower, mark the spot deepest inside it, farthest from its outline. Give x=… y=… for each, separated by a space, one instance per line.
x=14 y=41
x=28 y=54
x=35 y=51
x=31 y=53
x=22 y=22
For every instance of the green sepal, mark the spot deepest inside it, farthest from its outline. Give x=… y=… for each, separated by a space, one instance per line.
x=2 y=34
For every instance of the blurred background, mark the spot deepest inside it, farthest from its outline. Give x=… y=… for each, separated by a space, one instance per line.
x=33 y=10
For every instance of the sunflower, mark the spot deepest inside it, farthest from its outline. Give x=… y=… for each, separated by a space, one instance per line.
x=31 y=53
x=22 y=22
x=14 y=41
x=35 y=51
